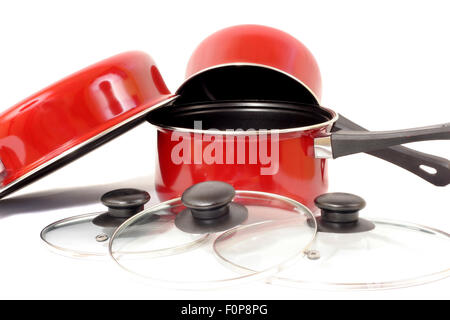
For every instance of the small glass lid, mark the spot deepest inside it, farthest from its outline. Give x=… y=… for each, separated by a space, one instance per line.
x=352 y=253
x=179 y=248
x=88 y=235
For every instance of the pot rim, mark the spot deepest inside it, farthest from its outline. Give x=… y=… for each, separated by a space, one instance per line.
x=228 y=132
x=231 y=64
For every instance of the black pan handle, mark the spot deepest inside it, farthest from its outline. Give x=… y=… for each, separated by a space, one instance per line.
x=342 y=143
x=414 y=161
x=349 y=142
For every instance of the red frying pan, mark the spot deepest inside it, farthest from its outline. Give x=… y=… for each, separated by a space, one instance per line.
x=75 y=115
x=251 y=62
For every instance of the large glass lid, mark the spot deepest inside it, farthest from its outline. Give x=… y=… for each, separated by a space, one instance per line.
x=174 y=244
x=352 y=253
x=393 y=255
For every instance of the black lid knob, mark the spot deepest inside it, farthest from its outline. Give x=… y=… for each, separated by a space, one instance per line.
x=123 y=203
x=210 y=208
x=208 y=200
x=340 y=213
x=340 y=202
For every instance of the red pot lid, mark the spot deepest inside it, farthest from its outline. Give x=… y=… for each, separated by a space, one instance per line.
x=76 y=115
x=252 y=61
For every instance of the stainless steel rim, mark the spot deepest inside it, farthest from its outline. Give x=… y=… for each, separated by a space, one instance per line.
x=335 y=117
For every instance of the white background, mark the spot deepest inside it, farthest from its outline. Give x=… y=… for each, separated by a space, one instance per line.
x=385 y=64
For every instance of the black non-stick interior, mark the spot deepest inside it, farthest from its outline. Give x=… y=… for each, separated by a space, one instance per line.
x=240 y=115
x=244 y=82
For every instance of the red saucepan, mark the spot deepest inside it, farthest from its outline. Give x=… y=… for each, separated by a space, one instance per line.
x=276 y=147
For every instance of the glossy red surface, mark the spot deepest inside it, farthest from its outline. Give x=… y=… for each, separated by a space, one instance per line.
x=255 y=44
x=300 y=176
x=76 y=110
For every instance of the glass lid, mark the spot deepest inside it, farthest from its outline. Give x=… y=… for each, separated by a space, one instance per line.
x=174 y=244
x=352 y=253
x=88 y=235
x=393 y=255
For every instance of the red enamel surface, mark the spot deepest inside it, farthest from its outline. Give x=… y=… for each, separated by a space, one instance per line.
x=76 y=109
x=258 y=45
x=300 y=175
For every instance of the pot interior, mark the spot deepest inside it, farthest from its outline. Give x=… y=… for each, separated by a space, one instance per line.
x=245 y=115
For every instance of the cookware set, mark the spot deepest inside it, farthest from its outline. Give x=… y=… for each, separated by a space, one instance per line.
x=242 y=149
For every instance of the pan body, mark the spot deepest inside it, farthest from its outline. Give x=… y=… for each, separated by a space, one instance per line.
x=76 y=115
x=235 y=144
x=258 y=47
